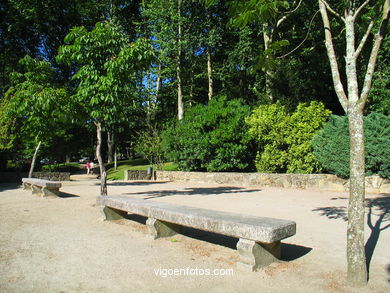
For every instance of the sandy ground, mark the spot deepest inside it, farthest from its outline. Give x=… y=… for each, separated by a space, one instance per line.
x=62 y=245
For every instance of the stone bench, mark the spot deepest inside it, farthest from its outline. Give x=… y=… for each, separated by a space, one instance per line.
x=42 y=187
x=259 y=238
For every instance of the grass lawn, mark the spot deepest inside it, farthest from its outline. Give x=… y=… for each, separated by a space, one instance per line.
x=137 y=164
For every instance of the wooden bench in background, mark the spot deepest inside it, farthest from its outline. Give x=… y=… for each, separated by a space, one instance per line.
x=42 y=187
x=259 y=238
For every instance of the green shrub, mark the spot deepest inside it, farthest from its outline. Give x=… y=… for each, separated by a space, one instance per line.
x=331 y=145
x=284 y=139
x=65 y=167
x=211 y=138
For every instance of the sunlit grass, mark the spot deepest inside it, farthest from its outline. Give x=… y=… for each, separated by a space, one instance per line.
x=136 y=164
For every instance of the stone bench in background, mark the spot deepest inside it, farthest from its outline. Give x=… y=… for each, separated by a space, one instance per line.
x=42 y=187
x=259 y=238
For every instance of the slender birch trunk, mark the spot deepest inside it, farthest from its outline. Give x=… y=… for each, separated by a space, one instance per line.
x=353 y=104
x=110 y=146
x=33 y=160
x=180 y=105
x=267 y=37
x=209 y=73
x=103 y=175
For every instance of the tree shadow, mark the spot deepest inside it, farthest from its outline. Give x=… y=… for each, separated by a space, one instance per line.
x=379 y=207
x=137 y=183
x=388 y=271
x=195 y=191
x=333 y=212
x=382 y=207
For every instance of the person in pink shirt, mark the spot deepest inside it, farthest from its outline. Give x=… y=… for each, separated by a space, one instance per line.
x=88 y=166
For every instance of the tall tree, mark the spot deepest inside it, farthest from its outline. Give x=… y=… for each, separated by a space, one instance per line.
x=109 y=64
x=353 y=100
x=34 y=108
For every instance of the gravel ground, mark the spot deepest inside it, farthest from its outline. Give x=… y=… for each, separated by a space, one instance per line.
x=62 y=245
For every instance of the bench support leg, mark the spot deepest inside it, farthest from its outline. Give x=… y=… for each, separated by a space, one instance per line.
x=50 y=192
x=36 y=190
x=110 y=214
x=160 y=229
x=254 y=255
x=26 y=186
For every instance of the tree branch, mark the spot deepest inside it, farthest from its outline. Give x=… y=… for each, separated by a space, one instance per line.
x=295 y=9
x=374 y=54
x=331 y=9
x=364 y=39
x=360 y=8
x=304 y=40
x=279 y=22
x=339 y=88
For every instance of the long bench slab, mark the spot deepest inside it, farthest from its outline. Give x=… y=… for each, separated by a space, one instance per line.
x=42 y=187
x=259 y=237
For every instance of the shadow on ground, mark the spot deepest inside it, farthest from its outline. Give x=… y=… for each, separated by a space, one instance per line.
x=67 y=195
x=290 y=252
x=388 y=271
x=9 y=186
x=379 y=207
x=134 y=183
x=195 y=191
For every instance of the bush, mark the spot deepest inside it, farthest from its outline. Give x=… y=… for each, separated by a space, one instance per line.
x=284 y=139
x=211 y=138
x=65 y=167
x=331 y=145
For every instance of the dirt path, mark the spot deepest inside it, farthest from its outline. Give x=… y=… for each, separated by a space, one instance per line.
x=62 y=245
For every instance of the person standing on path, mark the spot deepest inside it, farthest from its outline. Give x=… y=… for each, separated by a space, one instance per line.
x=88 y=166
x=91 y=166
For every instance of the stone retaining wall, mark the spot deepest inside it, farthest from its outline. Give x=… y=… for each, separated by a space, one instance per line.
x=52 y=176
x=137 y=175
x=17 y=176
x=374 y=184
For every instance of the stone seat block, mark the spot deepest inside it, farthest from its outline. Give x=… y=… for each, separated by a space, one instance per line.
x=260 y=237
x=42 y=187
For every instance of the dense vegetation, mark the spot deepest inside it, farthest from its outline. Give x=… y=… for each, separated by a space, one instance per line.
x=248 y=97
x=331 y=145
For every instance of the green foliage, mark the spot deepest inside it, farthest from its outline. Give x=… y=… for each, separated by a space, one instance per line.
x=284 y=139
x=211 y=138
x=331 y=145
x=137 y=164
x=34 y=108
x=150 y=145
x=108 y=66
x=65 y=167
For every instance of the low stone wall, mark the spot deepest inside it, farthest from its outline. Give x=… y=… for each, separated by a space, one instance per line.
x=17 y=176
x=137 y=175
x=374 y=184
x=52 y=176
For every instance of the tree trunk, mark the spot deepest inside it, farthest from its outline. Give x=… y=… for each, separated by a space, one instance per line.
x=110 y=146
x=353 y=105
x=180 y=106
x=33 y=160
x=103 y=175
x=115 y=160
x=357 y=269
x=67 y=158
x=267 y=36
x=209 y=73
